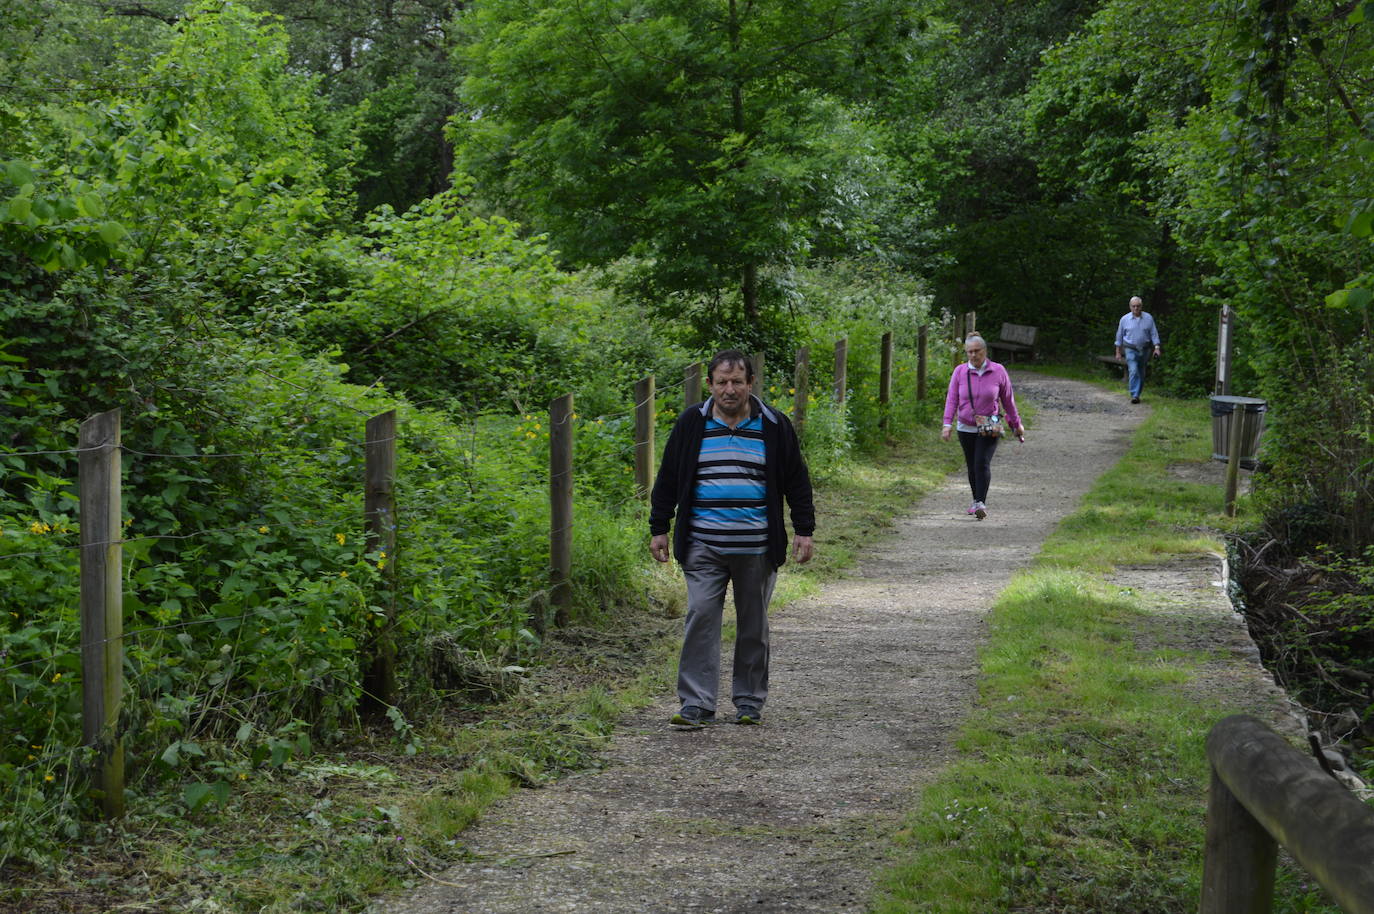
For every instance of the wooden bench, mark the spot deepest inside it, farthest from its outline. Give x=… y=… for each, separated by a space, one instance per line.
x=1014 y=340
x=1111 y=360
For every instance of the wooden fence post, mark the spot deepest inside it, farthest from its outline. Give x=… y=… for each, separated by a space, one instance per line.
x=691 y=385
x=102 y=606
x=801 y=380
x=1239 y=857
x=968 y=323
x=885 y=383
x=644 y=435
x=922 y=340
x=1283 y=795
x=841 y=369
x=560 y=509
x=1225 y=326
x=379 y=505
x=1233 y=455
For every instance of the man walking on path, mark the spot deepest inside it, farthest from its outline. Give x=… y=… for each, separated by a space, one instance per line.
x=1135 y=334
x=726 y=469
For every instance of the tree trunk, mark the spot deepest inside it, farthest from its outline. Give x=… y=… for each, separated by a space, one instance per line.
x=749 y=292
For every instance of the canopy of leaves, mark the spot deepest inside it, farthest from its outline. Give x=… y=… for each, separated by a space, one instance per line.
x=703 y=140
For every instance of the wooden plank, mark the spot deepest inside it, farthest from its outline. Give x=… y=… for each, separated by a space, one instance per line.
x=1322 y=824
x=841 y=369
x=379 y=509
x=644 y=436
x=922 y=343
x=885 y=382
x=560 y=510
x=1239 y=857
x=102 y=606
x=691 y=385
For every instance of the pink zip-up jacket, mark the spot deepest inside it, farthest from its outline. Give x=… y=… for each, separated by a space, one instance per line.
x=993 y=384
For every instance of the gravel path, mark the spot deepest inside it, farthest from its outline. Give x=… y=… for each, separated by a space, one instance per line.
x=869 y=680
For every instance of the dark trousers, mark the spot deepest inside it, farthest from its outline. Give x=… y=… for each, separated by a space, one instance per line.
x=978 y=451
x=698 y=672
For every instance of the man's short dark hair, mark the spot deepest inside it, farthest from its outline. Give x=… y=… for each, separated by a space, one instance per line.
x=730 y=357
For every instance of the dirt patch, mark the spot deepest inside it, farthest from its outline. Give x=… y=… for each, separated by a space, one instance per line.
x=870 y=678
x=1209 y=472
x=1186 y=599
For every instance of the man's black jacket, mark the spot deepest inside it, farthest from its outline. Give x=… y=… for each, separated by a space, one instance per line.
x=785 y=475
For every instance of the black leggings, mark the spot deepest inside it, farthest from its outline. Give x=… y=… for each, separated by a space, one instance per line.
x=978 y=451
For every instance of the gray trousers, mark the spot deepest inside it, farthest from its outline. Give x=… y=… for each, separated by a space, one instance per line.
x=698 y=672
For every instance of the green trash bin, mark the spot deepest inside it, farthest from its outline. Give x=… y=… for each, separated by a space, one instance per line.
x=1250 y=412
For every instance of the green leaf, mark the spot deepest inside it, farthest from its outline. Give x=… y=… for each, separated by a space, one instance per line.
x=1351 y=298
x=199 y=794
x=112 y=233
x=90 y=205
x=18 y=174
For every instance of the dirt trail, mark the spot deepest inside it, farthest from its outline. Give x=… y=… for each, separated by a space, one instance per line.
x=869 y=680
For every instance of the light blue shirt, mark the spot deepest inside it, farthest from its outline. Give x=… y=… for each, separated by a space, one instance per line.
x=1137 y=332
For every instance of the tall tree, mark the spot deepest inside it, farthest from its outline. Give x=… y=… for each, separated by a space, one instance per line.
x=708 y=141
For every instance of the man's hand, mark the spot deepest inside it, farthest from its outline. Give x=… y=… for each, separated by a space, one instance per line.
x=658 y=547
x=801 y=549
x=1118 y=352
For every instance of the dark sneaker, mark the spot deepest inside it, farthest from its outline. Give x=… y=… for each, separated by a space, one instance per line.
x=980 y=510
x=692 y=718
x=748 y=715
x=1135 y=399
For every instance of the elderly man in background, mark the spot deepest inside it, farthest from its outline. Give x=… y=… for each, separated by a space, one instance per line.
x=1136 y=334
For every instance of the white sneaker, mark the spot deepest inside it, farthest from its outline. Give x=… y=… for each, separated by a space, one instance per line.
x=973 y=509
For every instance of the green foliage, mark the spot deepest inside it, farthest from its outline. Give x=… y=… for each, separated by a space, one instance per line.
x=715 y=156
x=388 y=80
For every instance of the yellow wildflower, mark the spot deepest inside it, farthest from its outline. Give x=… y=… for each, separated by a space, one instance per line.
x=262 y=529
x=57 y=678
x=343 y=574
x=341 y=538
x=47 y=777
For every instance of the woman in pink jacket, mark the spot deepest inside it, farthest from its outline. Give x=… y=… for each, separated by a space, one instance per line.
x=980 y=387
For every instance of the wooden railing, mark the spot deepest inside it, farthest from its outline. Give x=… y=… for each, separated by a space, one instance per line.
x=1265 y=793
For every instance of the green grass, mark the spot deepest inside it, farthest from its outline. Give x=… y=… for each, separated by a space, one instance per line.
x=1081 y=780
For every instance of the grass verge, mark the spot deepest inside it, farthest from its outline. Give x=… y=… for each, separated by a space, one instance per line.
x=329 y=831
x=1081 y=785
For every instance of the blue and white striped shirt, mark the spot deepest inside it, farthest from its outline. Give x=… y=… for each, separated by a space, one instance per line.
x=729 y=505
